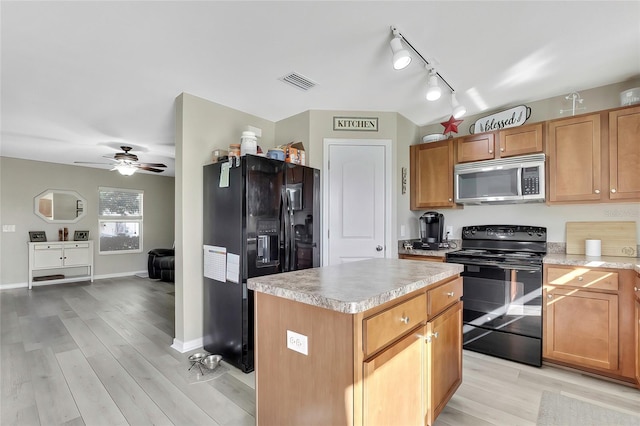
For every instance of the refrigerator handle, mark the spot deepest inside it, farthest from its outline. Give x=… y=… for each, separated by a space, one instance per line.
x=284 y=213
x=292 y=245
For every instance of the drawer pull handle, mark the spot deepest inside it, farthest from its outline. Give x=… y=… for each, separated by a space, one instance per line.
x=404 y=320
x=450 y=294
x=430 y=336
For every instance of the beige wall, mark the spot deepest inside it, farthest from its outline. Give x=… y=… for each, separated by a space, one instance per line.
x=201 y=127
x=22 y=180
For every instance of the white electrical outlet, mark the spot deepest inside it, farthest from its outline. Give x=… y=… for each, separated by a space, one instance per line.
x=297 y=342
x=402 y=230
x=8 y=228
x=449 y=231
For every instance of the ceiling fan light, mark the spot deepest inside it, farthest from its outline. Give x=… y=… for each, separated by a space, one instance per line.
x=401 y=57
x=458 y=110
x=125 y=169
x=433 y=90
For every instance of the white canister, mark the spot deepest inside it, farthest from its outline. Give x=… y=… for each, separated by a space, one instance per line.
x=592 y=248
x=248 y=143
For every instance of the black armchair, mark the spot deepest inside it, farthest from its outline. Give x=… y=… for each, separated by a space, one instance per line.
x=161 y=264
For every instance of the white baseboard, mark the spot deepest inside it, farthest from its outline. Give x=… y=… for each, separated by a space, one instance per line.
x=138 y=274
x=183 y=347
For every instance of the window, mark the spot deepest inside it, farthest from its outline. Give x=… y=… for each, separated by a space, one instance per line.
x=120 y=220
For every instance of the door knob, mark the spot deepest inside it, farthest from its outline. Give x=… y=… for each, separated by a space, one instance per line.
x=378 y=248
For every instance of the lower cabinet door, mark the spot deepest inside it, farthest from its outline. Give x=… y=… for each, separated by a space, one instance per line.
x=443 y=372
x=392 y=385
x=638 y=339
x=581 y=327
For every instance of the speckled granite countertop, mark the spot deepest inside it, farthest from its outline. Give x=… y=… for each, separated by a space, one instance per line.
x=594 y=262
x=356 y=286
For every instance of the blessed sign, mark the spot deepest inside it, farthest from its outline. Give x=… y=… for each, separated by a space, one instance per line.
x=501 y=120
x=367 y=124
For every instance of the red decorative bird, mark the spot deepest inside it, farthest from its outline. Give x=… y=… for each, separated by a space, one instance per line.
x=451 y=125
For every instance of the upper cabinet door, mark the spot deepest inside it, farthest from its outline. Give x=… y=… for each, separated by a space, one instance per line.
x=431 y=173
x=624 y=154
x=520 y=140
x=573 y=159
x=476 y=148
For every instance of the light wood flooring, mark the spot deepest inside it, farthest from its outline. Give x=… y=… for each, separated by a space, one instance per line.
x=98 y=354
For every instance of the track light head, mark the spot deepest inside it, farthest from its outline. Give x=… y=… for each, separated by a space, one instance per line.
x=434 y=91
x=401 y=57
x=458 y=109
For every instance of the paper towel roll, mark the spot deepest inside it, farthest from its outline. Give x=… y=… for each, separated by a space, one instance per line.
x=592 y=247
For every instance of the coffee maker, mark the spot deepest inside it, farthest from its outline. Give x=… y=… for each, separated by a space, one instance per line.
x=431 y=230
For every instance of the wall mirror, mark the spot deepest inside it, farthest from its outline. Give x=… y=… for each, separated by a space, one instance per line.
x=60 y=206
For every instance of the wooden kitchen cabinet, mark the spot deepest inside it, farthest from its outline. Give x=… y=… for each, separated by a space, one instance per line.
x=398 y=363
x=636 y=290
x=624 y=154
x=397 y=368
x=574 y=159
x=443 y=370
x=431 y=175
x=476 y=147
x=588 y=320
x=521 y=140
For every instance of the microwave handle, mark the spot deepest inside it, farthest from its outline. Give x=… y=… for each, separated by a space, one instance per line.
x=519 y=177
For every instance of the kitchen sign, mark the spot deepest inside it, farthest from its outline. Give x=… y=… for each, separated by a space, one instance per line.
x=363 y=124
x=513 y=117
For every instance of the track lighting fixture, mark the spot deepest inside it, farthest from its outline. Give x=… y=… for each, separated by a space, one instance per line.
x=401 y=59
x=458 y=110
x=434 y=91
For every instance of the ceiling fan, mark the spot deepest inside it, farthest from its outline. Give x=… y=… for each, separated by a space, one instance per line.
x=127 y=163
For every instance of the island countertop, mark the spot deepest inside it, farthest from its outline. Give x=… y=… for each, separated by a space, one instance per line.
x=356 y=286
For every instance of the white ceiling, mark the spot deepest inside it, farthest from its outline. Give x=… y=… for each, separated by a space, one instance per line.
x=81 y=78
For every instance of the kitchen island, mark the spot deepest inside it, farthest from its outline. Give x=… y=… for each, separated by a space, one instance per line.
x=363 y=343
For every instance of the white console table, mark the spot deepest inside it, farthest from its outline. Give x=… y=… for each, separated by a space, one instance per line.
x=60 y=255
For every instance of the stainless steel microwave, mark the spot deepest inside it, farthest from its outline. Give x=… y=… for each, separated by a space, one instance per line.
x=501 y=181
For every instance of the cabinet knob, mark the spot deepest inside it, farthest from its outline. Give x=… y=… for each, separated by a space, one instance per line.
x=549 y=296
x=378 y=248
x=597 y=191
x=490 y=151
x=450 y=294
x=613 y=190
x=404 y=320
x=450 y=199
x=501 y=149
x=435 y=334
x=635 y=289
x=580 y=278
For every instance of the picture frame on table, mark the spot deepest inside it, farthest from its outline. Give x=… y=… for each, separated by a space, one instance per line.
x=37 y=236
x=81 y=236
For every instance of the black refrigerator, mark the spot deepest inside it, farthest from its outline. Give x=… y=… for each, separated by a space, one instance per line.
x=263 y=217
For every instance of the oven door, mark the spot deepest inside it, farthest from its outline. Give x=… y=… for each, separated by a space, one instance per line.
x=503 y=311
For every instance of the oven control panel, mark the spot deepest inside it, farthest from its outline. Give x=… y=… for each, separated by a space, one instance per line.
x=504 y=232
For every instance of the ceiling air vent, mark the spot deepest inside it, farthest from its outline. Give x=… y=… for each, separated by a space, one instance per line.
x=299 y=81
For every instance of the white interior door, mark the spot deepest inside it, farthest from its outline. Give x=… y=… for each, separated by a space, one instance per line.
x=357 y=202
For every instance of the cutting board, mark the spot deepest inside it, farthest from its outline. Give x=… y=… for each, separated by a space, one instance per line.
x=618 y=238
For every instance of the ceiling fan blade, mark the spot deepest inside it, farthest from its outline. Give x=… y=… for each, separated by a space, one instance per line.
x=110 y=158
x=90 y=162
x=152 y=164
x=151 y=169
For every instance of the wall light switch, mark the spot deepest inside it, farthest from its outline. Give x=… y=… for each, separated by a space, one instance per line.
x=297 y=342
x=402 y=230
x=8 y=228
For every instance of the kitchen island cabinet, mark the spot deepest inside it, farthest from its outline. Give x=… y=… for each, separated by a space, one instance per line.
x=588 y=318
x=431 y=175
x=364 y=343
